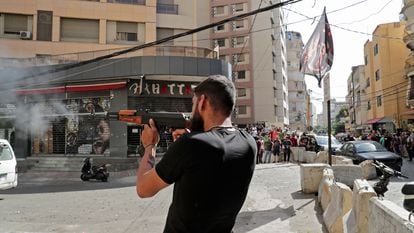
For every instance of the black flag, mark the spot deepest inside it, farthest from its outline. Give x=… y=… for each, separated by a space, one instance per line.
x=317 y=55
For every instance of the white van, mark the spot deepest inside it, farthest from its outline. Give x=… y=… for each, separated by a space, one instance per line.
x=8 y=166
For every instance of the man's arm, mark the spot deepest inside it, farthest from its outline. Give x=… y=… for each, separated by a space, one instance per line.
x=148 y=182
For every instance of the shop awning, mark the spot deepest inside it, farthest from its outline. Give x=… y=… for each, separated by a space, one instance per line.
x=73 y=88
x=373 y=121
x=386 y=120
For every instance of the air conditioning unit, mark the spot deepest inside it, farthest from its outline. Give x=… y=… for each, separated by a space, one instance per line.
x=25 y=35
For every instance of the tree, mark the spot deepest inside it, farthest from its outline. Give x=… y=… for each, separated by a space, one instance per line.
x=338 y=125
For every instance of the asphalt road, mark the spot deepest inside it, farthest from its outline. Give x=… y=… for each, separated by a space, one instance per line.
x=61 y=202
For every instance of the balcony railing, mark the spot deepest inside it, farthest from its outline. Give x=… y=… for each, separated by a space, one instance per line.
x=134 y=2
x=180 y=51
x=167 y=9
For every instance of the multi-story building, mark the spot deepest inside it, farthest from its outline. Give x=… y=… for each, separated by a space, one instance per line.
x=298 y=109
x=255 y=47
x=408 y=12
x=355 y=99
x=386 y=82
x=70 y=105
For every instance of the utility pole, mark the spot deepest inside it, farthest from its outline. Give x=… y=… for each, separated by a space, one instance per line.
x=353 y=99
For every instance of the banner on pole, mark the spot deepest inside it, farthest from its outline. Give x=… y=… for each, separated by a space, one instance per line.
x=317 y=55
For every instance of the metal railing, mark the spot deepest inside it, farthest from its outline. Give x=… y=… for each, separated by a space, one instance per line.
x=135 y=2
x=179 y=51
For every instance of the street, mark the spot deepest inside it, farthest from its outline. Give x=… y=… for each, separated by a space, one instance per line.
x=61 y=202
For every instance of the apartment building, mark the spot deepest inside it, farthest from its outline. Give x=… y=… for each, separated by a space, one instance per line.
x=386 y=82
x=408 y=13
x=255 y=47
x=298 y=107
x=356 y=100
x=71 y=103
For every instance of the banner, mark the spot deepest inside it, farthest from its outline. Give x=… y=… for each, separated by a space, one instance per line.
x=317 y=55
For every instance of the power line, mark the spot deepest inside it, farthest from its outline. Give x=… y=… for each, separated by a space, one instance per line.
x=369 y=16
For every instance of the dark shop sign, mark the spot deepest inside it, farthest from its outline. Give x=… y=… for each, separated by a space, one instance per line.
x=160 y=88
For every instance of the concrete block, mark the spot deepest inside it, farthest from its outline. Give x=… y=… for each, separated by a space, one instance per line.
x=356 y=221
x=310 y=176
x=368 y=170
x=322 y=157
x=324 y=191
x=310 y=156
x=341 y=160
x=340 y=204
x=347 y=173
x=296 y=151
x=385 y=216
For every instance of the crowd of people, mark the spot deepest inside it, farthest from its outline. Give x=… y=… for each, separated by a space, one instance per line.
x=272 y=143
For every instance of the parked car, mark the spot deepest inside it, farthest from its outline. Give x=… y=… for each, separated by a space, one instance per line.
x=8 y=166
x=360 y=151
x=322 y=143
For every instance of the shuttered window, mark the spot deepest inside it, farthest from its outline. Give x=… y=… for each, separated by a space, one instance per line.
x=126 y=31
x=14 y=23
x=82 y=30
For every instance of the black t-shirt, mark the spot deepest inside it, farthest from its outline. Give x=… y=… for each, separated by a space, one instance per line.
x=212 y=172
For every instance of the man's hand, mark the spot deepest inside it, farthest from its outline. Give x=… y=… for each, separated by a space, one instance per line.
x=176 y=134
x=150 y=135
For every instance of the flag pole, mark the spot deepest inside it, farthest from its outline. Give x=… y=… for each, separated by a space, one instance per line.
x=328 y=102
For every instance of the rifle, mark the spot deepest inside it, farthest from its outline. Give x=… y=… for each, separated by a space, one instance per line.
x=175 y=120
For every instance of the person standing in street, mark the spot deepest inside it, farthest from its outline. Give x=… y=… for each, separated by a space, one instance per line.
x=268 y=144
x=211 y=167
x=286 y=148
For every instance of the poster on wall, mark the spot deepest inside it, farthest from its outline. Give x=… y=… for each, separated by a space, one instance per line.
x=87 y=129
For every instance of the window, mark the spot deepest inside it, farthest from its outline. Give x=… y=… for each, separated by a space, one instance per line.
x=220 y=27
x=221 y=42
x=79 y=30
x=238 y=7
x=284 y=96
x=366 y=60
x=126 y=31
x=218 y=10
x=167 y=9
x=377 y=75
x=274 y=92
x=238 y=24
x=275 y=109
x=164 y=33
x=369 y=105
x=379 y=101
x=242 y=110
x=241 y=92
x=222 y=57
x=14 y=23
x=289 y=63
x=368 y=82
x=239 y=57
x=375 y=49
x=241 y=74
x=238 y=41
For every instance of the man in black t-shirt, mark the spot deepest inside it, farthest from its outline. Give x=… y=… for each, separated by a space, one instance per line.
x=211 y=167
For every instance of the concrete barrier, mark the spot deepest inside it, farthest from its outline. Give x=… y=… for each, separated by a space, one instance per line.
x=296 y=153
x=385 y=216
x=368 y=170
x=309 y=156
x=340 y=204
x=356 y=220
x=322 y=157
x=324 y=191
x=341 y=160
x=347 y=173
x=310 y=176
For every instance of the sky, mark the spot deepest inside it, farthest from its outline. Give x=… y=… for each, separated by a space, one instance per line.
x=360 y=19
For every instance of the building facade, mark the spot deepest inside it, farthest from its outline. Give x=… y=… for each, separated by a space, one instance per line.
x=255 y=47
x=386 y=80
x=356 y=100
x=65 y=103
x=298 y=106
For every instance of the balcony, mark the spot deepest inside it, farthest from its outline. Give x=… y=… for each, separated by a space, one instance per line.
x=180 y=51
x=134 y=2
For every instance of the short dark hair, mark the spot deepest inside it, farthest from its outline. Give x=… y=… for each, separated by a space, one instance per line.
x=220 y=92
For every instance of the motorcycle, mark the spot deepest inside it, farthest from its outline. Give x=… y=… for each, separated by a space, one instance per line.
x=94 y=172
